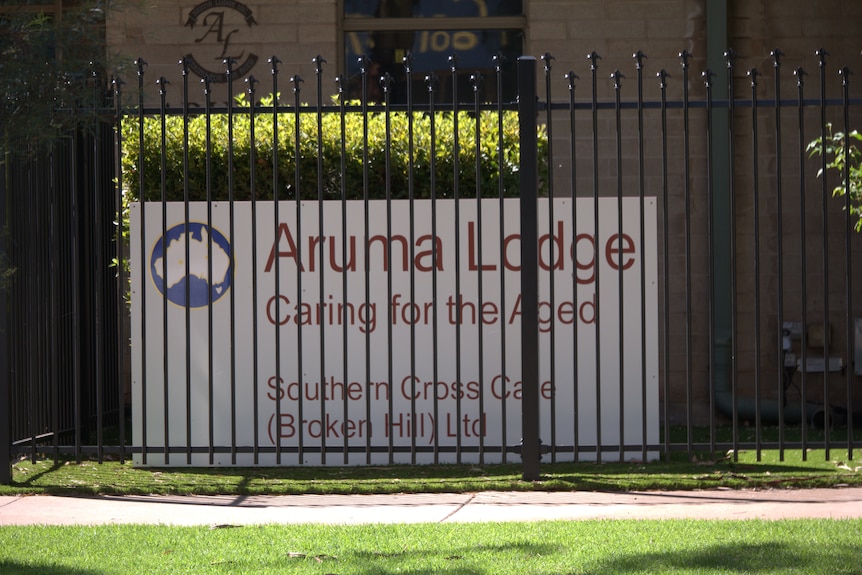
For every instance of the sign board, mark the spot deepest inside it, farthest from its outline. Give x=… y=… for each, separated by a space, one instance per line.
x=318 y=331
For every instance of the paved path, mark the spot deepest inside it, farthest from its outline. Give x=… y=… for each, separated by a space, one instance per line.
x=431 y=508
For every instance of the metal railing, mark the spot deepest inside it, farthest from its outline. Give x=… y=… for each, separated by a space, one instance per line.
x=665 y=301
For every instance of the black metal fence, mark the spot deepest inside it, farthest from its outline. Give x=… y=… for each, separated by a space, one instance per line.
x=673 y=276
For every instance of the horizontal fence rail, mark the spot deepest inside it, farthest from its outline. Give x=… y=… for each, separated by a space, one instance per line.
x=349 y=282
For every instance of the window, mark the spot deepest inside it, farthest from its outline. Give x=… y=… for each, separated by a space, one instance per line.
x=431 y=31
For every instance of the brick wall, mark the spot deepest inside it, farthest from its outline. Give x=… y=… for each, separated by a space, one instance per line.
x=569 y=30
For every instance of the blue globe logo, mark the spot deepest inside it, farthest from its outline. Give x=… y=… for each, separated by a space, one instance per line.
x=168 y=265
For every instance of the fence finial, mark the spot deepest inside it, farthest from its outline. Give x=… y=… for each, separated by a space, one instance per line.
x=753 y=74
x=776 y=55
x=730 y=57
x=453 y=61
x=229 y=63
x=252 y=82
x=476 y=80
x=407 y=60
x=821 y=53
x=318 y=62
x=499 y=59
x=663 y=75
x=296 y=81
x=273 y=61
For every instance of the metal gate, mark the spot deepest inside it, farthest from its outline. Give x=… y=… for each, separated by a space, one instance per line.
x=754 y=302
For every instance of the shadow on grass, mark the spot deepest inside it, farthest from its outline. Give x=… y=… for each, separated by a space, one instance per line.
x=724 y=558
x=21 y=569
x=33 y=480
x=740 y=558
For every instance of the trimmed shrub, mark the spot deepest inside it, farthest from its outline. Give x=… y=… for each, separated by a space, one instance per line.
x=260 y=175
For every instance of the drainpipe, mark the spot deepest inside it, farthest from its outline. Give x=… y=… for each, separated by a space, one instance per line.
x=770 y=409
x=722 y=331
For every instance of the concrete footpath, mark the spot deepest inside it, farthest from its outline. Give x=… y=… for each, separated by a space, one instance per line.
x=837 y=503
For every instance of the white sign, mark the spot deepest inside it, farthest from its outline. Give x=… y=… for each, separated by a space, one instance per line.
x=407 y=334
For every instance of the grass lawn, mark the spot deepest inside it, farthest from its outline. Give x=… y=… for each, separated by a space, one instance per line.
x=116 y=478
x=594 y=547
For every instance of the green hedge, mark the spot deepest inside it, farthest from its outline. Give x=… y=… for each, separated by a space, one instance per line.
x=491 y=169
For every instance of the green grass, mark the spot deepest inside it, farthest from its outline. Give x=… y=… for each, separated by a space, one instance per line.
x=594 y=547
x=116 y=478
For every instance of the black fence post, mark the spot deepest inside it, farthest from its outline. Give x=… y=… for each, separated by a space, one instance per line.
x=528 y=114
x=5 y=411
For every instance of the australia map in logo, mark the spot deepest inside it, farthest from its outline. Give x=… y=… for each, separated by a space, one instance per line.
x=168 y=264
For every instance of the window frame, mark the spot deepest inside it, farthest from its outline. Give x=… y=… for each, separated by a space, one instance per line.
x=353 y=24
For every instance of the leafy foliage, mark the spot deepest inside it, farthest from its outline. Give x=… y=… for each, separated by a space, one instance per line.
x=230 y=163
x=845 y=158
x=53 y=68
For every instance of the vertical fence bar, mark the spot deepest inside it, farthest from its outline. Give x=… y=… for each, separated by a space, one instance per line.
x=639 y=58
x=431 y=82
x=98 y=296
x=143 y=255
x=476 y=81
x=121 y=273
x=803 y=258
x=255 y=362
x=552 y=335
x=30 y=325
x=5 y=372
x=318 y=62
x=686 y=143
x=663 y=76
x=411 y=175
x=499 y=60
x=207 y=81
x=274 y=62
x=527 y=111
x=163 y=92
x=231 y=198
x=779 y=234
x=364 y=61
x=594 y=67
x=730 y=57
x=53 y=331
x=187 y=257
x=710 y=198
x=456 y=196
x=824 y=209
x=571 y=77
x=617 y=77
x=755 y=199
x=848 y=272
x=345 y=373
x=297 y=190
x=386 y=85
